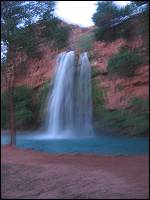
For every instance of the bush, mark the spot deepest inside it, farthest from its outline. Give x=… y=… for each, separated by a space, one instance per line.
x=42 y=95
x=133 y=121
x=95 y=72
x=22 y=105
x=61 y=37
x=25 y=38
x=56 y=33
x=98 y=99
x=85 y=42
x=124 y=63
x=27 y=111
x=105 y=34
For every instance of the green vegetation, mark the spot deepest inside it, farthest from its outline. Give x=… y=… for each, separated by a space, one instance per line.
x=131 y=121
x=56 y=33
x=98 y=97
x=124 y=63
x=25 y=38
x=16 y=15
x=27 y=106
x=23 y=107
x=85 y=42
x=108 y=13
x=41 y=97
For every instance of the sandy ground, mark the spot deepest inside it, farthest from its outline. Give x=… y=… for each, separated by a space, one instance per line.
x=34 y=175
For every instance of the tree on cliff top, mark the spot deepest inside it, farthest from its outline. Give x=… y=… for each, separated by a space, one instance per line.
x=15 y=14
x=107 y=11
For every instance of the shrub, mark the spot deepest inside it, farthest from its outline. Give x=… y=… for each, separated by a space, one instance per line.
x=105 y=34
x=98 y=99
x=22 y=106
x=42 y=95
x=133 y=121
x=61 y=37
x=95 y=72
x=56 y=33
x=85 y=42
x=27 y=111
x=124 y=63
x=25 y=38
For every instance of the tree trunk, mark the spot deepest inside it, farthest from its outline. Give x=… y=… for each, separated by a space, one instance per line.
x=11 y=117
x=9 y=75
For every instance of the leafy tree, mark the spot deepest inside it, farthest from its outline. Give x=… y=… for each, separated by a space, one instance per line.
x=14 y=15
x=107 y=15
x=107 y=11
x=56 y=33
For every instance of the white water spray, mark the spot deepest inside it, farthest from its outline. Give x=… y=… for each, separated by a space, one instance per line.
x=70 y=102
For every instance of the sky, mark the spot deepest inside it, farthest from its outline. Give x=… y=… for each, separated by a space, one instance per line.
x=79 y=12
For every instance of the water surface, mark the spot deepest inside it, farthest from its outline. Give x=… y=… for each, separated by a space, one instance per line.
x=103 y=145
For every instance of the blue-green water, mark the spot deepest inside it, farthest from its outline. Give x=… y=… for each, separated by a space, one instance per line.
x=103 y=145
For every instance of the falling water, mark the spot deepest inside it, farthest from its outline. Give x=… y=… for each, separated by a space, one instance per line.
x=70 y=102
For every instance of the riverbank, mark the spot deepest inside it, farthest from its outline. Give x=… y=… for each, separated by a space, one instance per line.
x=29 y=174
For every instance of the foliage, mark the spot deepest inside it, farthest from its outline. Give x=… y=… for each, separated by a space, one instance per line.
x=61 y=37
x=98 y=98
x=105 y=34
x=56 y=33
x=42 y=95
x=17 y=14
x=23 y=107
x=110 y=27
x=124 y=63
x=107 y=11
x=27 y=106
x=95 y=72
x=133 y=121
x=25 y=38
x=85 y=42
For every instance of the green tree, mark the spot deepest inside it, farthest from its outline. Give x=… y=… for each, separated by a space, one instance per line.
x=107 y=14
x=14 y=15
x=107 y=11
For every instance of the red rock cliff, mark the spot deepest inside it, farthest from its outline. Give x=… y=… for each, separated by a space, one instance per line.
x=117 y=90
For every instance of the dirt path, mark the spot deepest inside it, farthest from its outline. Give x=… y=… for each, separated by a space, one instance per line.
x=33 y=175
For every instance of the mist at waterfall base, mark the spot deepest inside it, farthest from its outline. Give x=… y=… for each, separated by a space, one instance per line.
x=69 y=107
x=67 y=123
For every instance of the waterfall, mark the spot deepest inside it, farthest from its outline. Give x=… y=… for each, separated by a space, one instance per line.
x=70 y=103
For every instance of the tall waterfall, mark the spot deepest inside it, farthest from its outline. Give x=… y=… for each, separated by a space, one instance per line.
x=70 y=102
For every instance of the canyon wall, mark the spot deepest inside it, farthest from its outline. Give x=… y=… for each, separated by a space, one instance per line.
x=118 y=90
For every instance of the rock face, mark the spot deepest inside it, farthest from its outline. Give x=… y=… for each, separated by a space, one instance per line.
x=117 y=90
x=36 y=71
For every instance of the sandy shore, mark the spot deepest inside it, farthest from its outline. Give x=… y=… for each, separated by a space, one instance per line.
x=34 y=175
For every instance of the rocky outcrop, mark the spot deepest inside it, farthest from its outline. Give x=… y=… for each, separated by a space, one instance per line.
x=118 y=91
